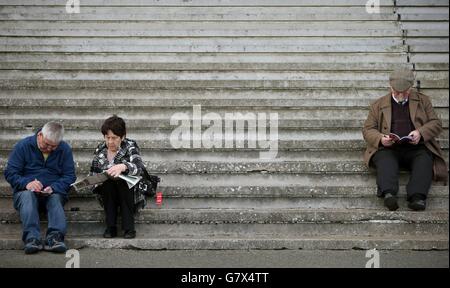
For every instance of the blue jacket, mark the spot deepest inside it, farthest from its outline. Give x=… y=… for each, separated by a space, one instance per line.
x=27 y=163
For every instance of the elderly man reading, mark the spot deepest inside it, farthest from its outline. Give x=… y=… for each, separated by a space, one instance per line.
x=40 y=170
x=404 y=112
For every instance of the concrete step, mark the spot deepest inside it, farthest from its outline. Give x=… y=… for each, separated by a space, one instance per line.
x=425 y=29
x=204 y=3
x=34 y=122
x=254 y=223
x=298 y=139
x=208 y=76
x=251 y=155
x=311 y=166
x=428 y=33
x=155 y=113
x=426 y=61
x=276 y=197
x=420 y=66
x=204 y=61
x=159 y=157
x=434 y=203
x=204 y=45
x=194 y=167
x=419 y=3
x=432 y=78
x=423 y=33
x=430 y=45
x=317 y=165
x=428 y=49
x=425 y=17
x=430 y=58
x=431 y=66
x=81 y=65
x=272 y=32
x=243 y=13
x=255 y=230
x=264 y=184
x=272 y=190
x=260 y=216
x=206 y=58
x=432 y=42
x=199 y=29
x=273 y=242
x=425 y=26
x=202 y=41
x=155 y=117
x=11 y=79
x=175 y=98
x=138 y=117
x=411 y=9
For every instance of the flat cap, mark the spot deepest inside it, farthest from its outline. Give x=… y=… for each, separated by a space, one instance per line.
x=401 y=79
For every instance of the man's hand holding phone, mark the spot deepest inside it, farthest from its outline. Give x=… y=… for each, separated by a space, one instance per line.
x=47 y=191
x=37 y=187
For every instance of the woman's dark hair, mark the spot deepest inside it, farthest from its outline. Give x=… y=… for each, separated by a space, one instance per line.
x=116 y=125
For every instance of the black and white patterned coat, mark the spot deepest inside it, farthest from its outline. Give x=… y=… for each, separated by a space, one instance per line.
x=129 y=155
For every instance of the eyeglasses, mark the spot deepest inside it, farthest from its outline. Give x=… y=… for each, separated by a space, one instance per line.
x=403 y=93
x=45 y=144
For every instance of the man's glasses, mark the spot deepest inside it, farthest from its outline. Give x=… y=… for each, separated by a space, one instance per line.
x=47 y=145
x=404 y=93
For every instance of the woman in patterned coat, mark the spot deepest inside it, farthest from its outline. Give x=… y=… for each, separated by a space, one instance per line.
x=117 y=155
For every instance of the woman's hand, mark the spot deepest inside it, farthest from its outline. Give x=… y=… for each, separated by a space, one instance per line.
x=116 y=170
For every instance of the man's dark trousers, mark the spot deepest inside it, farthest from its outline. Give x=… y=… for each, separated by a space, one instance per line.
x=416 y=158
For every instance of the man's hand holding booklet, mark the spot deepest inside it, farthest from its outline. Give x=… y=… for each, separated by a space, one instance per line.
x=400 y=140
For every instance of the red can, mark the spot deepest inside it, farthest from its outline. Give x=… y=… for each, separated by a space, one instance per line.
x=159 y=198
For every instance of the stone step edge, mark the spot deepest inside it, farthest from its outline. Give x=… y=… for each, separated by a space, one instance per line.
x=253 y=192
x=256 y=192
x=259 y=216
x=305 y=168
x=310 y=243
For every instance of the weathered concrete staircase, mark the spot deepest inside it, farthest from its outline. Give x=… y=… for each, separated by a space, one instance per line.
x=318 y=64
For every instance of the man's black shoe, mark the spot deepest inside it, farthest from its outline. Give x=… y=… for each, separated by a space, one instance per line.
x=129 y=234
x=110 y=232
x=390 y=201
x=417 y=205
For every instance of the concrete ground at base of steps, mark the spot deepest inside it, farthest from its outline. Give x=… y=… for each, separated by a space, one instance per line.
x=115 y=258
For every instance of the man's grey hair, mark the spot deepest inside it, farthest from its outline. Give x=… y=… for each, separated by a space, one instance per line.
x=53 y=131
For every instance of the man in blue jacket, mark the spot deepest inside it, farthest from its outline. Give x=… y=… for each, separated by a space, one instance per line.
x=40 y=170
